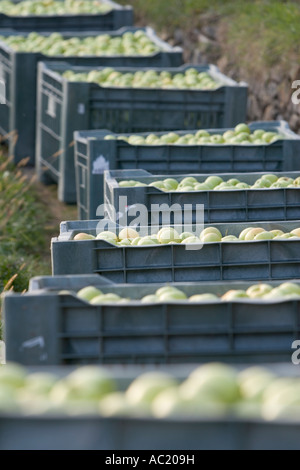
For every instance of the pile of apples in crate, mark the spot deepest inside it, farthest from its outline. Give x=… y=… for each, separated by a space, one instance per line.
x=252 y=386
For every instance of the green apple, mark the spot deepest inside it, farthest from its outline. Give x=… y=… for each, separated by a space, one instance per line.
x=40 y=383
x=289 y=288
x=125 y=242
x=88 y=382
x=201 y=187
x=88 y=293
x=172 y=295
x=264 y=236
x=213 y=181
x=272 y=178
x=168 y=234
x=230 y=238
x=267 y=136
x=126 y=184
x=158 y=185
x=281 y=399
x=185 y=235
x=171 y=184
x=211 y=238
x=252 y=233
x=151 y=298
x=213 y=381
x=285 y=180
x=297 y=181
x=170 y=137
x=188 y=181
x=262 y=183
x=242 y=128
x=217 y=139
x=258 y=290
x=229 y=135
x=105 y=298
x=66 y=292
x=204 y=298
x=286 y=408
x=12 y=375
x=9 y=402
x=148 y=385
x=181 y=141
x=223 y=186
x=202 y=133
x=234 y=294
x=107 y=235
x=135 y=241
x=83 y=236
x=186 y=188
x=128 y=232
x=209 y=230
x=238 y=139
x=277 y=232
x=284 y=236
x=169 y=403
x=204 y=140
x=116 y=404
x=253 y=381
x=280 y=184
x=193 y=239
x=166 y=290
x=247 y=409
x=296 y=232
x=233 y=181
x=258 y=133
x=146 y=241
x=150 y=138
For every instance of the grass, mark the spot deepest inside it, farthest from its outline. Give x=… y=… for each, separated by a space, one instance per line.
x=260 y=33
x=22 y=225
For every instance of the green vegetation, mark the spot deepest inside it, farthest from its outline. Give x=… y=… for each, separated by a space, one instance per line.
x=22 y=229
x=257 y=33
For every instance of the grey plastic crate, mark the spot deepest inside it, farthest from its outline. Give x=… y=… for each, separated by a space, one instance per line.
x=94 y=155
x=219 y=261
x=93 y=432
x=219 y=206
x=86 y=106
x=43 y=327
x=19 y=72
x=116 y=18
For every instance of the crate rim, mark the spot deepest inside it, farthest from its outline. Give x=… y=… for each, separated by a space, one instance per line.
x=52 y=68
x=149 y=31
x=114 y=5
x=86 y=136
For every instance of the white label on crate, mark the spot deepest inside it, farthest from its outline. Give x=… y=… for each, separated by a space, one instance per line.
x=81 y=108
x=31 y=343
x=51 y=110
x=2 y=92
x=100 y=165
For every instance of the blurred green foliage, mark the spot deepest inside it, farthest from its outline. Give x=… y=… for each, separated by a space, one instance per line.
x=258 y=32
x=22 y=230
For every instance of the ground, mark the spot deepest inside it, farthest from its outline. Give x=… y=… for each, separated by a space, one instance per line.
x=58 y=211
